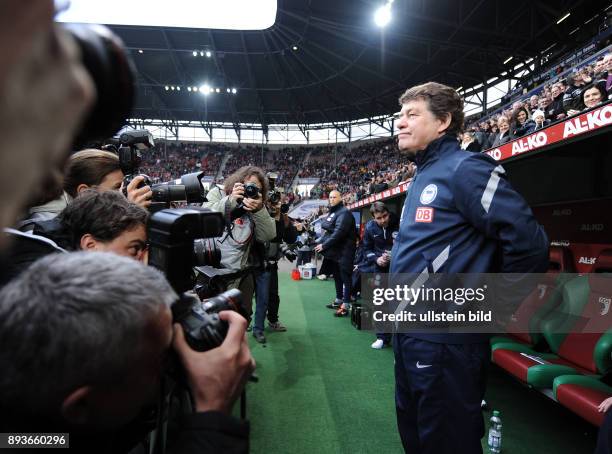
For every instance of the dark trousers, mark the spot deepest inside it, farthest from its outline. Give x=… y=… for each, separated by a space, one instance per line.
x=438 y=391
x=343 y=277
x=604 y=439
x=273 y=298
x=327 y=267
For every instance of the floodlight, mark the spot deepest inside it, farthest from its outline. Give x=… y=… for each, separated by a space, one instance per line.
x=208 y=53
x=382 y=16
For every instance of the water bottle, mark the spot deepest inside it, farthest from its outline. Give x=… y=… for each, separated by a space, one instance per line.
x=495 y=433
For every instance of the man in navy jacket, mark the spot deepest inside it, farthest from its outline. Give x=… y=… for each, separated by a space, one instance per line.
x=460 y=216
x=338 y=245
x=377 y=243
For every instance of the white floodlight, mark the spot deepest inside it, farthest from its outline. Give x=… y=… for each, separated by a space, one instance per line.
x=208 y=54
x=382 y=16
x=195 y=53
x=508 y=60
x=234 y=91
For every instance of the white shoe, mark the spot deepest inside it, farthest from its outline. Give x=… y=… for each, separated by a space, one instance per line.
x=321 y=277
x=378 y=344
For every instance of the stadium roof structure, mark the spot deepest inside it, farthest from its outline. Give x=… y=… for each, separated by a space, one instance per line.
x=325 y=61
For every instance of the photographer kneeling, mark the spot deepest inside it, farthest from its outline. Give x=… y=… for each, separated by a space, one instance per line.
x=241 y=200
x=266 y=278
x=86 y=338
x=94 y=221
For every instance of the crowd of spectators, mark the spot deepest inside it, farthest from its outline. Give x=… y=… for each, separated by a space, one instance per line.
x=588 y=86
x=367 y=169
x=377 y=165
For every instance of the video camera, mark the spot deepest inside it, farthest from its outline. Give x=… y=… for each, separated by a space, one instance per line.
x=176 y=248
x=129 y=146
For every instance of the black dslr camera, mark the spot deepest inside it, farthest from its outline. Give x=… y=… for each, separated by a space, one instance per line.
x=274 y=196
x=129 y=147
x=172 y=233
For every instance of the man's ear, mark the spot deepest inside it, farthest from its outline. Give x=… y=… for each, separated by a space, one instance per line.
x=82 y=187
x=444 y=124
x=88 y=243
x=77 y=406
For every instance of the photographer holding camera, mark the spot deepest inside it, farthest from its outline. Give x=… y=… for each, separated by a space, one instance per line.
x=87 y=169
x=266 y=277
x=242 y=201
x=95 y=355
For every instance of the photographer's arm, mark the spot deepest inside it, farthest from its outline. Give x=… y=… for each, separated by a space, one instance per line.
x=216 y=378
x=218 y=201
x=290 y=233
x=265 y=227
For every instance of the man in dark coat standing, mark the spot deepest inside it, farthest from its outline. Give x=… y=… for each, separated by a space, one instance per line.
x=338 y=245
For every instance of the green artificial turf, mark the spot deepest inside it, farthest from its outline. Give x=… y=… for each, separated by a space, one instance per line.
x=322 y=389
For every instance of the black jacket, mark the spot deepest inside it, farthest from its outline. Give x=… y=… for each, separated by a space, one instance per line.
x=377 y=240
x=48 y=237
x=339 y=239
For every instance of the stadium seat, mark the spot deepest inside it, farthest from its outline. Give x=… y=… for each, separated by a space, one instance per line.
x=582 y=395
x=524 y=327
x=573 y=331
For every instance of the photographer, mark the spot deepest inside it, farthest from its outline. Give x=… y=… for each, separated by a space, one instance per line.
x=266 y=278
x=95 y=354
x=94 y=221
x=89 y=169
x=338 y=245
x=242 y=201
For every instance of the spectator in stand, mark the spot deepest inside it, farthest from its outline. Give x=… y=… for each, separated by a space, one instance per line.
x=540 y=120
x=572 y=99
x=543 y=103
x=592 y=96
x=520 y=123
x=599 y=69
x=608 y=69
x=469 y=143
x=533 y=102
x=555 y=111
x=505 y=135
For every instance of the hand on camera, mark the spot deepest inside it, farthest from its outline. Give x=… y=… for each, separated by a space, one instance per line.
x=139 y=196
x=318 y=248
x=218 y=376
x=252 y=205
x=237 y=192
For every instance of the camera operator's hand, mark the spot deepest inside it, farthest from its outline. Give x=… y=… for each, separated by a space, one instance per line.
x=298 y=226
x=139 y=196
x=218 y=376
x=318 y=248
x=252 y=205
x=237 y=192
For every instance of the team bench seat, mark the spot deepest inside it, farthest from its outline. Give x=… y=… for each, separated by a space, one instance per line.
x=577 y=333
x=524 y=327
x=582 y=395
